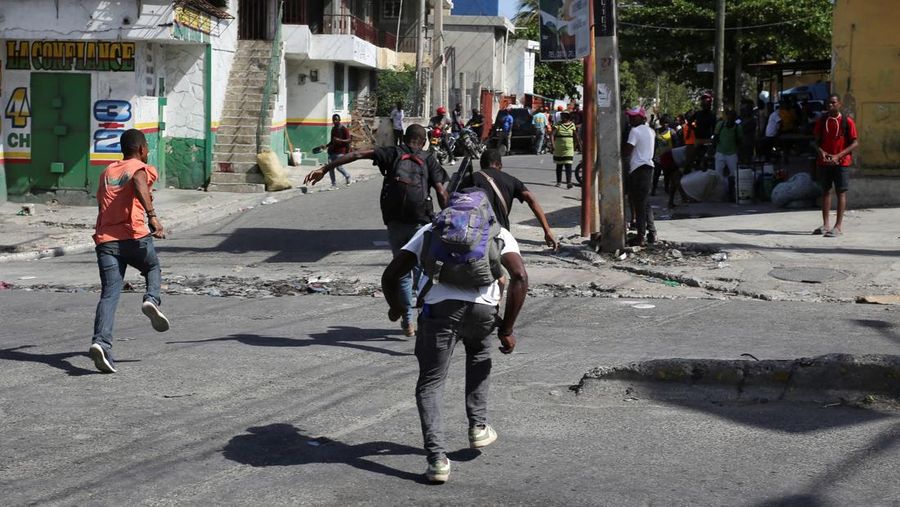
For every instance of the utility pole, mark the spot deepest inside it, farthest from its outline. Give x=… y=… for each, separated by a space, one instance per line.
x=609 y=131
x=738 y=68
x=420 y=60
x=437 y=58
x=588 y=193
x=718 y=102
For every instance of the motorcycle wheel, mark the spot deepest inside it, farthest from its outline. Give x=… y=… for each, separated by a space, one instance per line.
x=579 y=172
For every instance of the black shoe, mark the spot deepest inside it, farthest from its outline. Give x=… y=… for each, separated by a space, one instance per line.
x=651 y=237
x=102 y=358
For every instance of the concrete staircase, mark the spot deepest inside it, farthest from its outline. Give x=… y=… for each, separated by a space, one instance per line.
x=234 y=155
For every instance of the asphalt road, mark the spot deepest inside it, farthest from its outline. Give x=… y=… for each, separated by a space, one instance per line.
x=308 y=400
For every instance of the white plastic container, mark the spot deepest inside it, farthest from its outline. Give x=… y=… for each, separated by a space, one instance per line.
x=744 y=185
x=297 y=156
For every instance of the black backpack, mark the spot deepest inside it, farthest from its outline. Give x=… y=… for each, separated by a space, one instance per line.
x=405 y=194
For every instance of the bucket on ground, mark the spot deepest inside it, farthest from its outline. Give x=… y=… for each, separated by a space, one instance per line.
x=744 y=185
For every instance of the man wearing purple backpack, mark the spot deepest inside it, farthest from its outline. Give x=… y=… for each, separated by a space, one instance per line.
x=461 y=253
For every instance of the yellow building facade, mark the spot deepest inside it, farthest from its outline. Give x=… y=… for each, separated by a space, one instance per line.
x=866 y=74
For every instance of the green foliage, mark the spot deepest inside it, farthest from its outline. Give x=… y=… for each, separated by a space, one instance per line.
x=393 y=86
x=558 y=79
x=675 y=50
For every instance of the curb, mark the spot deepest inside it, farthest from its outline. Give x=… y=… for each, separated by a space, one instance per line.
x=829 y=377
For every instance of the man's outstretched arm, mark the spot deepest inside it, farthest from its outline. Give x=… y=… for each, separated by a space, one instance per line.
x=314 y=176
x=535 y=206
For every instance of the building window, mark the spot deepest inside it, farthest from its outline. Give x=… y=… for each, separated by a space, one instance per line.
x=391 y=9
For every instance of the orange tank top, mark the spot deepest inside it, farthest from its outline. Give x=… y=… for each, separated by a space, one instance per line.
x=121 y=214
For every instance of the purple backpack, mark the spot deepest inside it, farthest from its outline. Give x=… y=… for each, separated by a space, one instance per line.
x=463 y=246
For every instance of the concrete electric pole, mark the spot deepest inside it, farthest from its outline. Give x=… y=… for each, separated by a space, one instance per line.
x=419 y=107
x=609 y=129
x=718 y=98
x=437 y=58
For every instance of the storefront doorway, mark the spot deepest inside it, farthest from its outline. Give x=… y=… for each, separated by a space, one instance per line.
x=60 y=130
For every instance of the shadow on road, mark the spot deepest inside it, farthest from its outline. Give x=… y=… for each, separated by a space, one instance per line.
x=886 y=443
x=336 y=336
x=290 y=245
x=760 y=232
x=883 y=327
x=57 y=361
x=285 y=445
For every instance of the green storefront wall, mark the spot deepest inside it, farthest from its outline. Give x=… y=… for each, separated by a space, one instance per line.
x=307 y=137
x=186 y=162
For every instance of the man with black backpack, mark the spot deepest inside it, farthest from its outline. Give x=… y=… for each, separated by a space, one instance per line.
x=836 y=138
x=409 y=176
x=461 y=252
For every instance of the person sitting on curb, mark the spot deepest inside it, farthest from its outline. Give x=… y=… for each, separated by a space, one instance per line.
x=461 y=311
x=125 y=238
x=404 y=207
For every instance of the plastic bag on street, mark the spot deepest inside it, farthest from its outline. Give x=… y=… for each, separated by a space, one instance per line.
x=800 y=187
x=273 y=172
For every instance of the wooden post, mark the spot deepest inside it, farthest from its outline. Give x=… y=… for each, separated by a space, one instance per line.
x=588 y=195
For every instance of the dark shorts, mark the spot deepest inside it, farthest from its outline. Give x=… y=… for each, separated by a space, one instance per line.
x=834 y=176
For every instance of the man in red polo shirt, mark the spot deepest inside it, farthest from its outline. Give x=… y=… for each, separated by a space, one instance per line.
x=836 y=138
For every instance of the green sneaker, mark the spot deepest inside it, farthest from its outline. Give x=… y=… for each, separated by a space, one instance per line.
x=438 y=470
x=481 y=435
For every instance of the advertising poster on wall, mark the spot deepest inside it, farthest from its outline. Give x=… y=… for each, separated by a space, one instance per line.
x=565 y=30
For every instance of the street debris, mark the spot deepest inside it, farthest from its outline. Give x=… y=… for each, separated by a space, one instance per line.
x=887 y=299
x=268 y=200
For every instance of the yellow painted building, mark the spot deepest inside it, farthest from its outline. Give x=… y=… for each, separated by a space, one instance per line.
x=866 y=74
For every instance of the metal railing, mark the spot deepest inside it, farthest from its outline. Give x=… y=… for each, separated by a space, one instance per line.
x=347 y=24
x=274 y=66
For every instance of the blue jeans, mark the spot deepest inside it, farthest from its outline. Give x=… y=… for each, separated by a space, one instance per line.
x=112 y=258
x=399 y=234
x=331 y=158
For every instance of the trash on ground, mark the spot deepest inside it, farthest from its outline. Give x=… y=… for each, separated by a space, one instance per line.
x=269 y=200
x=719 y=256
x=886 y=299
x=643 y=306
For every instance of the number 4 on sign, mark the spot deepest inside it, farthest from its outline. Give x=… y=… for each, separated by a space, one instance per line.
x=18 y=110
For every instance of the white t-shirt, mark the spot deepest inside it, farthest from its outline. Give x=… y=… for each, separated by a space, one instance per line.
x=644 y=140
x=772 y=125
x=397 y=119
x=488 y=295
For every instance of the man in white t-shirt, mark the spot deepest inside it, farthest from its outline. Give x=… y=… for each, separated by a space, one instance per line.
x=639 y=153
x=773 y=126
x=449 y=314
x=397 y=122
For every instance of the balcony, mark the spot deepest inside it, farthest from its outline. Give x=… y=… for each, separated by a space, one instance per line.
x=347 y=24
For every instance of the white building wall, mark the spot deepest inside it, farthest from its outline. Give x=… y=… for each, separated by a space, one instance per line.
x=185 y=92
x=223 y=49
x=74 y=19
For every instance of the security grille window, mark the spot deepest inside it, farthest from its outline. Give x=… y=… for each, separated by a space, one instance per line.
x=391 y=9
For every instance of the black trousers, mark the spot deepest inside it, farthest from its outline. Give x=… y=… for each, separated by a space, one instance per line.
x=640 y=182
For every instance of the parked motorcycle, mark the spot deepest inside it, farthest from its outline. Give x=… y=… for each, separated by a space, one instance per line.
x=438 y=143
x=468 y=144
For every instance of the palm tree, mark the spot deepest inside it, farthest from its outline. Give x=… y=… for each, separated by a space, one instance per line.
x=528 y=13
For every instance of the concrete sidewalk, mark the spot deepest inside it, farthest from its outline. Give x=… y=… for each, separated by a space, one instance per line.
x=58 y=229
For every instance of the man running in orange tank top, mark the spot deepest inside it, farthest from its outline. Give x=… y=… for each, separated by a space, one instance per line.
x=126 y=226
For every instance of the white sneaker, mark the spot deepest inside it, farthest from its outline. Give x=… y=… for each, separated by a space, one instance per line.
x=438 y=470
x=481 y=435
x=157 y=319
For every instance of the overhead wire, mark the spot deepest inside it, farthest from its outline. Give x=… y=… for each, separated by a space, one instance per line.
x=702 y=29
